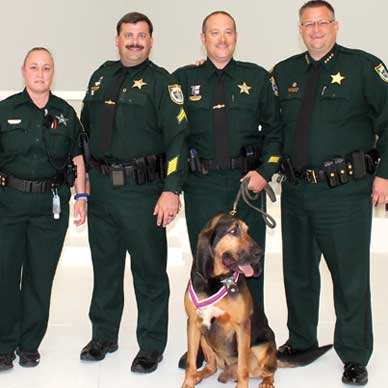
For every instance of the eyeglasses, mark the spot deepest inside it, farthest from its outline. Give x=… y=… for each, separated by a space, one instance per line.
x=320 y=23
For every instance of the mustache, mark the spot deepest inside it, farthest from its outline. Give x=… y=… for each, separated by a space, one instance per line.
x=134 y=46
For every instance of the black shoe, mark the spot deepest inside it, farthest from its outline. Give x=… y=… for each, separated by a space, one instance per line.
x=6 y=361
x=96 y=350
x=146 y=362
x=355 y=374
x=200 y=359
x=300 y=357
x=28 y=359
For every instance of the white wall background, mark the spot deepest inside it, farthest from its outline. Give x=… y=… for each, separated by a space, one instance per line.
x=80 y=33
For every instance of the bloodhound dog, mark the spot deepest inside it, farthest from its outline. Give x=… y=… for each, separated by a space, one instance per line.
x=223 y=319
x=231 y=328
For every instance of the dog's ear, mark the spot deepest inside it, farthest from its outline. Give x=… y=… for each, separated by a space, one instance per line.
x=205 y=253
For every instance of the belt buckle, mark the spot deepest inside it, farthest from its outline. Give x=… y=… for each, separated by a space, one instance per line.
x=310 y=177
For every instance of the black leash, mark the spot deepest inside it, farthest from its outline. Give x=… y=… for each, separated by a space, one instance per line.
x=248 y=198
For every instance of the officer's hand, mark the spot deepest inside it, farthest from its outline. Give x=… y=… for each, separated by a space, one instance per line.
x=200 y=62
x=256 y=181
x=80 y=211
x=380 y=191
x=167 y=208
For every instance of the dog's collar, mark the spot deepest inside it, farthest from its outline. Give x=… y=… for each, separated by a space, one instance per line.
x=213 y=299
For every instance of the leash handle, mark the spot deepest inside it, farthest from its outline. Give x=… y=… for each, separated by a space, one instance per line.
x=248 y=197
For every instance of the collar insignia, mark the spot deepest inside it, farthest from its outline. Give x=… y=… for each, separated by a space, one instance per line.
x=139 y=83
x=62 y=119
x=329 y=58
x=244 y=88
x=337 y=78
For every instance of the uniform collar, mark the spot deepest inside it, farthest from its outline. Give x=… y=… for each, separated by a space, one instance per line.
x=211 y=69
x=327 y=61
x=24 y=98
x=131 y=69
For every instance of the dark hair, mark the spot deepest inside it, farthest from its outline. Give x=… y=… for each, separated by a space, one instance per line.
x=37 y=49
x=315 y=4
x=133 y=18
x=216 y=13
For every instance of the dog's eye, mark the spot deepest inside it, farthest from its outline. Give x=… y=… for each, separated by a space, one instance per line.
x=233 y=231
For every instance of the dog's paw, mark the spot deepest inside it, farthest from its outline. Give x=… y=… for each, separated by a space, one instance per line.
x=190 y=382
x=225 y=377
x=267 y=382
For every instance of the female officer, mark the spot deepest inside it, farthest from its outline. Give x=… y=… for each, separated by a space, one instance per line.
x=39 y=145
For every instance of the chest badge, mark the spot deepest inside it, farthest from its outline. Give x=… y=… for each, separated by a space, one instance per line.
x=139 y=83
x=337 y=78
x=244 y=88
x=62 y=119
x=195 y=93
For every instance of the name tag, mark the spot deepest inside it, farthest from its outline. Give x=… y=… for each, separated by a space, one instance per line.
x=14 y=121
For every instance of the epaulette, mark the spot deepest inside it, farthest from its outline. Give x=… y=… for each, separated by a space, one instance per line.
x=292 y=58
x=189 y=67
x=157 y=67
x=369 y=57
x=108 y=64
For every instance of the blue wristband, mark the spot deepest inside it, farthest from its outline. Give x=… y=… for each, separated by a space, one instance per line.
x=81 y=195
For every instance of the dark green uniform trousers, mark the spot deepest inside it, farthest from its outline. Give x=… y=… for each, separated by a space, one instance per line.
x=207 y=195
x=337 y=223
x=30 y=245
x=120 y=220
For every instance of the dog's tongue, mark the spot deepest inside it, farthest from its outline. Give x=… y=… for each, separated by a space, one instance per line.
x=247 y=270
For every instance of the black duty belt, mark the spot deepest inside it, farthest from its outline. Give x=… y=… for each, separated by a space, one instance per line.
x=334 y=172
x=38 y=186
x=106 y=169
x=226 y=164
x=143 y=170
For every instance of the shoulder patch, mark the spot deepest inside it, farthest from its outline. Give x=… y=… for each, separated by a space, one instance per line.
x=274 y=86
x=176 y=94
x=382 y=72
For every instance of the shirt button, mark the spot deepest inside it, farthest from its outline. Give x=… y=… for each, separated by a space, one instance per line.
x=37 y=140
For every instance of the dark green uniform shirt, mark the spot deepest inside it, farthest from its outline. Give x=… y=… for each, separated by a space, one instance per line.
x=28 y=148
x=150 y=118
x=251 y=107
x=350 y=107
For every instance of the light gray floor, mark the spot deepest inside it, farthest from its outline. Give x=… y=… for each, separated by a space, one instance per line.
x=69 y=328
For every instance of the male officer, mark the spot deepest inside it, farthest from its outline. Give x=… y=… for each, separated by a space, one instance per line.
x=234 y=134
x=134 y=115
x=332 y=99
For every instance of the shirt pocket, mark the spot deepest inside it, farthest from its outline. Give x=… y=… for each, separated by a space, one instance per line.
x=58 y=141
x=200 y=115
x=289 y=108
x=14 y=137
x=132 y=111
x=243 y=112
x=335 y=105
